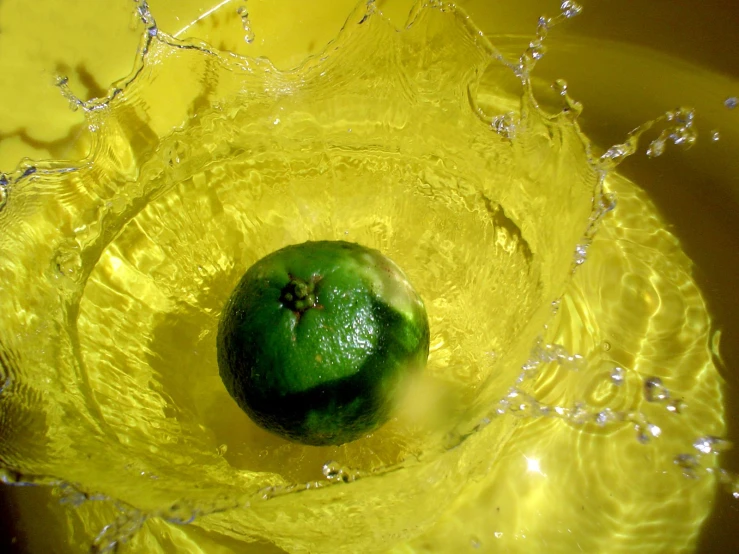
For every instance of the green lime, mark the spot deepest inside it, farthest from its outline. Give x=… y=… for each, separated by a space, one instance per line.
x=317 y=339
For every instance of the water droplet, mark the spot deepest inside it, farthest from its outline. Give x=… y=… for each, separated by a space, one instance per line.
x=618 y=375
x=570 y=9
x=504 y=125
x=246 y=24
x=579 y=414
x=654 y=430
x=656 y=148
x=688 y=463
x=676 y=406
x=641 y=435
x=655 y=391
x=731 y=102
x=581 y=253
x=536 y=50
x=605 y=416
x=542 y=25
x=711 y=445
x=617 y=152
x=607 y=203
x=333 y=471
x=560 y=86
x=715 y=136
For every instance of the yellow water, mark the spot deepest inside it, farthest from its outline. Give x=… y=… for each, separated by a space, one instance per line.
x=115 y=270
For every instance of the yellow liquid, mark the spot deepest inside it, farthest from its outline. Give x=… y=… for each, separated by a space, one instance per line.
x=485 y=227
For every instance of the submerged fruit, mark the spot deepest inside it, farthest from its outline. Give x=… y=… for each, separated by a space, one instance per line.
x=317 y=339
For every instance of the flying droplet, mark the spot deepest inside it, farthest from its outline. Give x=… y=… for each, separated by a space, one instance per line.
x=570 y=9
x=246 y=24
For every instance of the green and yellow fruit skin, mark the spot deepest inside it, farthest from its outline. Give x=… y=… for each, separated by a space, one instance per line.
x=318 y=338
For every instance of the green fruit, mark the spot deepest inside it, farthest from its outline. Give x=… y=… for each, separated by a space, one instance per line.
x=317 y=339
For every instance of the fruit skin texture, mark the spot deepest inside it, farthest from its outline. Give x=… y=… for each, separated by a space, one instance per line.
x=317 y=339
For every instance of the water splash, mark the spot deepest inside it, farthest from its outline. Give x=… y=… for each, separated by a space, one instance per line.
x=679 y=130
x=537 y=48
x=69 y=261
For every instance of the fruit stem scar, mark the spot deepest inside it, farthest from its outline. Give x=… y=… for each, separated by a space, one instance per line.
x=299 y=295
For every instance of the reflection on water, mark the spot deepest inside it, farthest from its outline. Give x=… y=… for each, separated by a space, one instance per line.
x=114 y=273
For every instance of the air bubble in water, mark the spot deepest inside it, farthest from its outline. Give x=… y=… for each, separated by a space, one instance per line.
x=715 y=136
x=655 y=391
x=731 y=102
